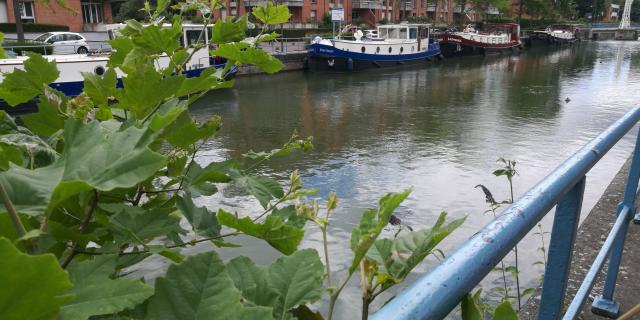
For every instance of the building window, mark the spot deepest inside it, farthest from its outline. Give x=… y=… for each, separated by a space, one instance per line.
x=92 y=12
x=312 y=15
x=27 y=12
x=314 y=1
x=234 y=12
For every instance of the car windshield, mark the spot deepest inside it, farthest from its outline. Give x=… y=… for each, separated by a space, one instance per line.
x=43 y=37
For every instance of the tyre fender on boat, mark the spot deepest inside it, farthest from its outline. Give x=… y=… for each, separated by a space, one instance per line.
x=350 y=64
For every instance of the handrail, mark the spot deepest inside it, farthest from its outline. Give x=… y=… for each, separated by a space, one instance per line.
x=435 y=294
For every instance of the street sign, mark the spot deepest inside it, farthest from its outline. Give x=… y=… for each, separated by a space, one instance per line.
x=337 y=14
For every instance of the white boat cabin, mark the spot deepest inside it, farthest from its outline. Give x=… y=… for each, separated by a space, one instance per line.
x=392 y=39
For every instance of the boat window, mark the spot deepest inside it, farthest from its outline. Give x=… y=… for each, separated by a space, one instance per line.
x=209 y=34
x=390 y=49
x=401 y=49
x=382 y=33
x=363 y=49
x=377 y=49
x=403 y=33
x=394 y=34
x=424 y=33
x=413 y=33
x=192 y=37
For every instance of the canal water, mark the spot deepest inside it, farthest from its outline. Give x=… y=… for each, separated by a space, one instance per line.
x=437 y=129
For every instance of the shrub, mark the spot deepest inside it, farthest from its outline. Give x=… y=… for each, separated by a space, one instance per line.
x=28 y=46
x=32 y=27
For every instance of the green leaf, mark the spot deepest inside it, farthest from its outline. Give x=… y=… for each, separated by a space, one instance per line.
x=263 y=188
x=270 y=14
x=100 y=89
x=371 y=224
x=185 y=132
x=2 y=53
x=297 y=279
x=202 y=221
x=504 y=311
x=283 y=237
x=241 y=52
x=9 y=154
x=200 y=288
x=94 y=158
x=199 y=181
x=290 y=216
x=209 y=79
x=48 y=119
x=303 y=312
x=33 y=286
x=225 y=31
x=145 y=89
x=145 y=224
x=400 y=255
x=36 y=150
x=470 y=310
x=96 y=293
x=21 y=86
x=252 y=281
x=528 y=291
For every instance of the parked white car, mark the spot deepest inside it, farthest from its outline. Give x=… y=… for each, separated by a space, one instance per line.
x=65 y=42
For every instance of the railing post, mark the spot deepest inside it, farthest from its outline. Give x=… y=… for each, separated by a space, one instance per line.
x=563 y=235
x=605 y=305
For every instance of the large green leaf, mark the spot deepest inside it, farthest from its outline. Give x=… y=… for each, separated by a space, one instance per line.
x=33 y=287
x=184 y=131
x=285 y=238
x=21 y=86
x=2 y=53
x=469 y=308
x=202 y=221
x=48 y=119
x=399 y=256
x=36 y=150
x=225 y=31
x=100 y=89
x=243 y=53
x=252 y=281
x=96 y=293
x=270 y=14
x=200 y=288
x=201 y=181
x=504 y=311
x=9 y=154
x=371 y=224
x=263 y=188
x=144 y=224
x=297 y=279
x=145 y=89
x=94 y=158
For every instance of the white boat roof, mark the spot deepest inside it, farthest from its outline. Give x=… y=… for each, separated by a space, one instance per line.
x=404 y=25
x=57 y=58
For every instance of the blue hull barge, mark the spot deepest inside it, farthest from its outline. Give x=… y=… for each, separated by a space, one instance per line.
x=387 y=46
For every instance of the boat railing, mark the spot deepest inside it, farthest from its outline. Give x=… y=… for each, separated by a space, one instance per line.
x=286 y=45
x=436 y=294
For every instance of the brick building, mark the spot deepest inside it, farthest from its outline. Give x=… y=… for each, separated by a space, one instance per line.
x=309 y=13
x=89 y=15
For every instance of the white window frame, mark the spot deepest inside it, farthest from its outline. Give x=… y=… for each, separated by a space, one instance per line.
x=95 y=12
x=23 y=13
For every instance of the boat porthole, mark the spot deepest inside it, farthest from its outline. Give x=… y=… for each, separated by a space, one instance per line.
x=99 y=70
x=389 y=49
x=401 y=49
x=378 y=50
x=363 y=49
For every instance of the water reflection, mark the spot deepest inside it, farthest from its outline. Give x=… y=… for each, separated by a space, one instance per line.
x=437 y=129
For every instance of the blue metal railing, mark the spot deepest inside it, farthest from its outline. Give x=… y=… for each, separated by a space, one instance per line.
x=435 y=294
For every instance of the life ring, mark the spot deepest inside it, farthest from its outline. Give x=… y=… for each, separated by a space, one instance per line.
x=331 y=63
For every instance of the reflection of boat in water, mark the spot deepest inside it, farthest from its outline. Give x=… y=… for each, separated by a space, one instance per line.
x=494 y=38
x=388 y=45
x=556 y=34
x=71 y=82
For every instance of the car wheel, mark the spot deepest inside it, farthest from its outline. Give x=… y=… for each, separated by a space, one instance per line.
x=83 y=50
